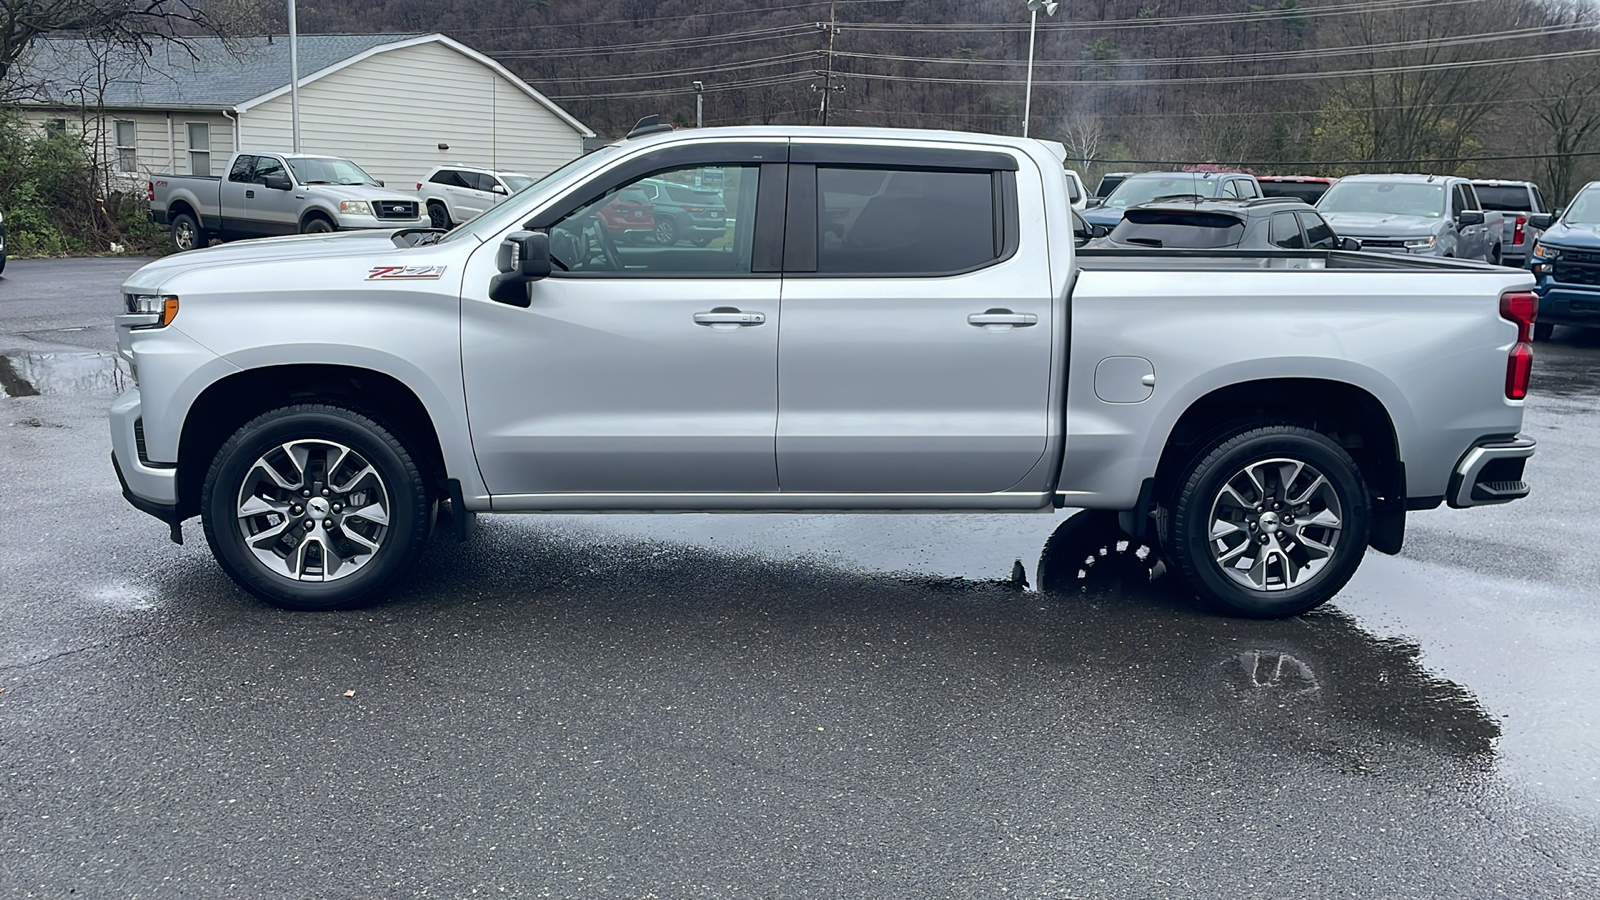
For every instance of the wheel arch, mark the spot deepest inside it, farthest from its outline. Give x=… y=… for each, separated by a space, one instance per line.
x=180 y=207
x=228 y=403
x=318 y=212
x=1350 y=415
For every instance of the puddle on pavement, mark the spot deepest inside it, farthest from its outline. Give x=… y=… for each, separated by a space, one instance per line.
x=31 y=373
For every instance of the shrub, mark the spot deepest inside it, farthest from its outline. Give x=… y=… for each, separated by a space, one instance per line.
x=56 y=203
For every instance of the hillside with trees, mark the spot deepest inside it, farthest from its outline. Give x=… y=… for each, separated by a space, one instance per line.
x=1325 y=86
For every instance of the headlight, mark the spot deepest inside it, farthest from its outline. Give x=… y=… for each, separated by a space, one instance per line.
x=355 y=207
x=165 y=306
x=1421 y=243
x=1548 y=254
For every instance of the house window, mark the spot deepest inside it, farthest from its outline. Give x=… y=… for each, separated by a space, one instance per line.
x=199 y=148
x=55 y=126
x=126 y=135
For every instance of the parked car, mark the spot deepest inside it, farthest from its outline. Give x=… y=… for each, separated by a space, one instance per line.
x=1147 y=186
x=1258 y=427
x=1309 y=188
x=1524 y=215
x=2 y=242
x=627 y=216
x=683 y=212
x=1075 y=192
x=1272 y=223
x=1566 y=260
x=454 y=194
x=1109 y=182
x=276 y=193
x=1425 y=215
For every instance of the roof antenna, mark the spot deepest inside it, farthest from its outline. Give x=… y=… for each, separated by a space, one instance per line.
x=648 y=125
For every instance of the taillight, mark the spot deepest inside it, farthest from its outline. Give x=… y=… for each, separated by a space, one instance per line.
x=1521 y=307
x=419 y=185
x=1519 y=370
x=1517 y=234
x=150 y=191
x=694 y=209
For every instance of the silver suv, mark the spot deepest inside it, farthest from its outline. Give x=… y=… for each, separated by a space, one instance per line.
x=455 y=194
x=685 y=212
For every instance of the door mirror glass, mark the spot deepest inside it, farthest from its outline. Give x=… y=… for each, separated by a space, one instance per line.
x=1541 y=220
x=276 y=182
x=1093 y=202
x=1470 y=217
x=500 y=190
x=1349 y=243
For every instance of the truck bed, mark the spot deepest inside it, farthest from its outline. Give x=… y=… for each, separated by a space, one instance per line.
x=1114 y=260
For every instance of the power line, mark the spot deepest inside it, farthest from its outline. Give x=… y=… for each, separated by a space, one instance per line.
x=768 y=81
x=664 y=44
x=1175 y=21
x=706 y=15
x=804 y=56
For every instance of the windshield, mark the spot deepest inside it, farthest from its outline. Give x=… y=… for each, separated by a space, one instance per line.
x=1585 y=209
x=509 y=210
x=1140 y=189
x=516 y=182
x=328 y=170
x=1185 y=230
x=1505 y=198
x=1395 y=198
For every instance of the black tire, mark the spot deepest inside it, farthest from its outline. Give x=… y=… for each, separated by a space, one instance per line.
x=1494 y=256
x=186 y=233
x=439 y=215
x=1198 y=502
x=317 y=225
x=408 y=507
x=700 y=241
x=1543 y=331
x=666 y=232
x=1089 y=554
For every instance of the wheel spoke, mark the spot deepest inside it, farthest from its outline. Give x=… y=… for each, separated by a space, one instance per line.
x=315 y=554
x=1327 y=518
x=372 y=512
x=262 y=540
x=1222 y=528
x=1305 y=497
x=1275 y=555
x=259 y=506
x=358 y=538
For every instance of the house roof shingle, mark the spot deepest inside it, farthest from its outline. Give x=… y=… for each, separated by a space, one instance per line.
x=199 y=73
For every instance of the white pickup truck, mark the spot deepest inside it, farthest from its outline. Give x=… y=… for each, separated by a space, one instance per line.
x=892 y=320
x=267 y=194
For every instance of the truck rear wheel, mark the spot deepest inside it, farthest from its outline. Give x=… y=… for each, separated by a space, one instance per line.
x=314 y=506
x=186 y=233
x=1269 y=523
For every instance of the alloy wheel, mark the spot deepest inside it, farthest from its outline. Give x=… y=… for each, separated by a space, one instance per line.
x=1275 y=524
x=313 y=510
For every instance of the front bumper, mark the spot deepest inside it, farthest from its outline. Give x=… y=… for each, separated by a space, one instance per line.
x=349 y=222
x=151 y=487
x=1491 y=473
x=1567 y=304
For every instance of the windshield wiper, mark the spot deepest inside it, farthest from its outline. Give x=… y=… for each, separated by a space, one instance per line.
x=316 y=182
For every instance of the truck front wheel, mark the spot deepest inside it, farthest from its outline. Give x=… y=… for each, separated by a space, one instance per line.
x=1269 y=523
x=314 y=506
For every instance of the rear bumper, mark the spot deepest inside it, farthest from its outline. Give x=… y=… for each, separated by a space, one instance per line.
x=1491 y=473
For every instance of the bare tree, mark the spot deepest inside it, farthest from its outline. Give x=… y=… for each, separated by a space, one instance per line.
x=1082 y=134
x=134 y=23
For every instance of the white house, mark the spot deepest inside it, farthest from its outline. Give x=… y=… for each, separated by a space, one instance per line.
x=398 y=104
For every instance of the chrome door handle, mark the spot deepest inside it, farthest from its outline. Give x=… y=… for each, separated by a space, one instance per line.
x=729 y=317
x=1002 y=317
x=250 y=195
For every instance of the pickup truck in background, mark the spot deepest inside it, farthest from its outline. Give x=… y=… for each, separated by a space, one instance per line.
x=1422 y=215
x=1566 y=260
x=1309 y=188
x=267 y=194
x=1524 y=216
x=895 y=320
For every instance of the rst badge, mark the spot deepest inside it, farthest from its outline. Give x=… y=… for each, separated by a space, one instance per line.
x=405 y=273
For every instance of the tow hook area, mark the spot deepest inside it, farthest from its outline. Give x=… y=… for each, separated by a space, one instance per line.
x=1491 y=473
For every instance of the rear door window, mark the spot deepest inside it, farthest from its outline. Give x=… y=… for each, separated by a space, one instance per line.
x=905 y=222
x=448 y=178
x=1283 y=231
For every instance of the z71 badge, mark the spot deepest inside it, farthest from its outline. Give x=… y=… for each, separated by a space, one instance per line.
x=393 y=273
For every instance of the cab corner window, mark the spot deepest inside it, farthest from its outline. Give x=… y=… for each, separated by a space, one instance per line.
x=906 y=222
x=698 y=220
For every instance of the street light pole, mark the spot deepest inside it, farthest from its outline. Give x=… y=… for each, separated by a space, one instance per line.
x=1049 y=7
x=699 y=103
x=294 y=79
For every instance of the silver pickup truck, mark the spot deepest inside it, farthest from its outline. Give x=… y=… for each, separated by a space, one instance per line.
x=267 y=194
x=893 y=320
x=1424 y=215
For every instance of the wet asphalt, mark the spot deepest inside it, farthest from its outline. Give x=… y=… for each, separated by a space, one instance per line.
x=777 y=706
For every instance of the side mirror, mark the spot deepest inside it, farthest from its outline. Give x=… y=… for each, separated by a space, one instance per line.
x=500 y=189
x=1470 y=217
x=1098 y=231
x=1349 y=243
x=277 y=182
x=522 y=259
x=1541 y=220
x=1093 y=202
x=380 y=182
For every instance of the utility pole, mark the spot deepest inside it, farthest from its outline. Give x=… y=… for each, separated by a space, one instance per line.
x=294 y=79
x=699 y=104
x=827 y=78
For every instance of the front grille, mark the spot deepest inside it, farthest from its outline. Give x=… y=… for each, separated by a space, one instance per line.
x=1381 y=244
x=395 y=209
x=1592 y=259
x=1573 y=273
